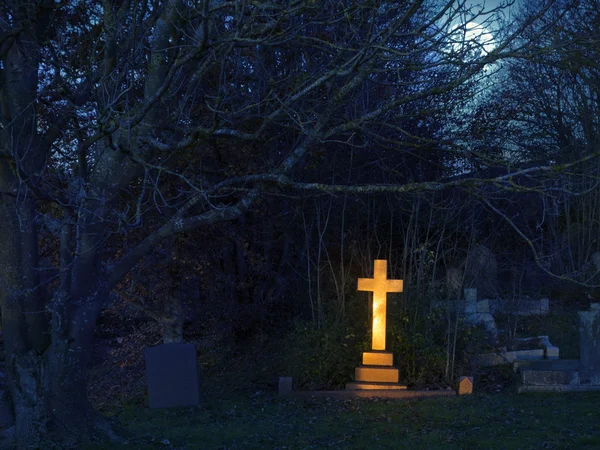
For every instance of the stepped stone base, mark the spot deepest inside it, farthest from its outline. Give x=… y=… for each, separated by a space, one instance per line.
x=376 y=373
x=358 y=386
x=375 y=358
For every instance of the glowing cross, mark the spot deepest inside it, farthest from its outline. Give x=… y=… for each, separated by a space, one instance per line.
x=380 y=286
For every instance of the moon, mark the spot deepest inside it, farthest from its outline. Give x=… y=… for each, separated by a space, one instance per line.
x=473 y=38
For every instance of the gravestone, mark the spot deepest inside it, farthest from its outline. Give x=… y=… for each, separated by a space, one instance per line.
x=481 y=271
x=589 y=342
x=596 y=260
x=544 y=306
x=554 y=375
x=453 y=283
x=378 y=371
x=285 y=385
x=470 y=301
x=478 y=313
x=173 y=378
x=550 y=351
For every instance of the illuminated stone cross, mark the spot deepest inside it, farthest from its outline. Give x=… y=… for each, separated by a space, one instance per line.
x=380 y=286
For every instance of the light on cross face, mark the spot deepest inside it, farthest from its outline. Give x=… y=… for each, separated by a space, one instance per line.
x=380 y=286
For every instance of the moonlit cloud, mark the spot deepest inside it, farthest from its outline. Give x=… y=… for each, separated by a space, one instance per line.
x=472 y=38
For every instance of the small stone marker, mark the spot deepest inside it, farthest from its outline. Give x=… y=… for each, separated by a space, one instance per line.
x=285 y=385
x=552 y=352
x=465 y=386
x=172 y=372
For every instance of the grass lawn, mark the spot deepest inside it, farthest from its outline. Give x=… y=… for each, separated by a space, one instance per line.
x=240 y=410
x=265 y=421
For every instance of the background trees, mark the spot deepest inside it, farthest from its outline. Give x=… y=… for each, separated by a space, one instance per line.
x=545 y=109
x=127 y=125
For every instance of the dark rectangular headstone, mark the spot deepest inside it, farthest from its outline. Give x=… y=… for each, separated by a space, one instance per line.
x=172 y=372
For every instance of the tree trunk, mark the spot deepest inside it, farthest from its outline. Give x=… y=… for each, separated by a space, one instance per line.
x=46 y=360
x=171 y=319
x=48 y=391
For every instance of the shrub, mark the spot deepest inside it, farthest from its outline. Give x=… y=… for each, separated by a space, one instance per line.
x=322 y=358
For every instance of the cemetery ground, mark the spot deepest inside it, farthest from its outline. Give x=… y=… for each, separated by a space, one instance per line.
x=262 y=420
x=240 y=407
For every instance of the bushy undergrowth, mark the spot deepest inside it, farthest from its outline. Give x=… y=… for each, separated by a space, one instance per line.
x=427 y=352
x=419 y=355
x=322 y=358
x=562 y=328
x=325 y=358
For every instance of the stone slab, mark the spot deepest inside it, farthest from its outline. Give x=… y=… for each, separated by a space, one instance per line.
x=172 y=373
x=399 y=394
x=548 y=377
x=377 y=374
x=285 y=385
x=520 y=355
x=546 y=364
x=374 y=386
x=560 y=388
x=375 y=358
x=551 y=352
